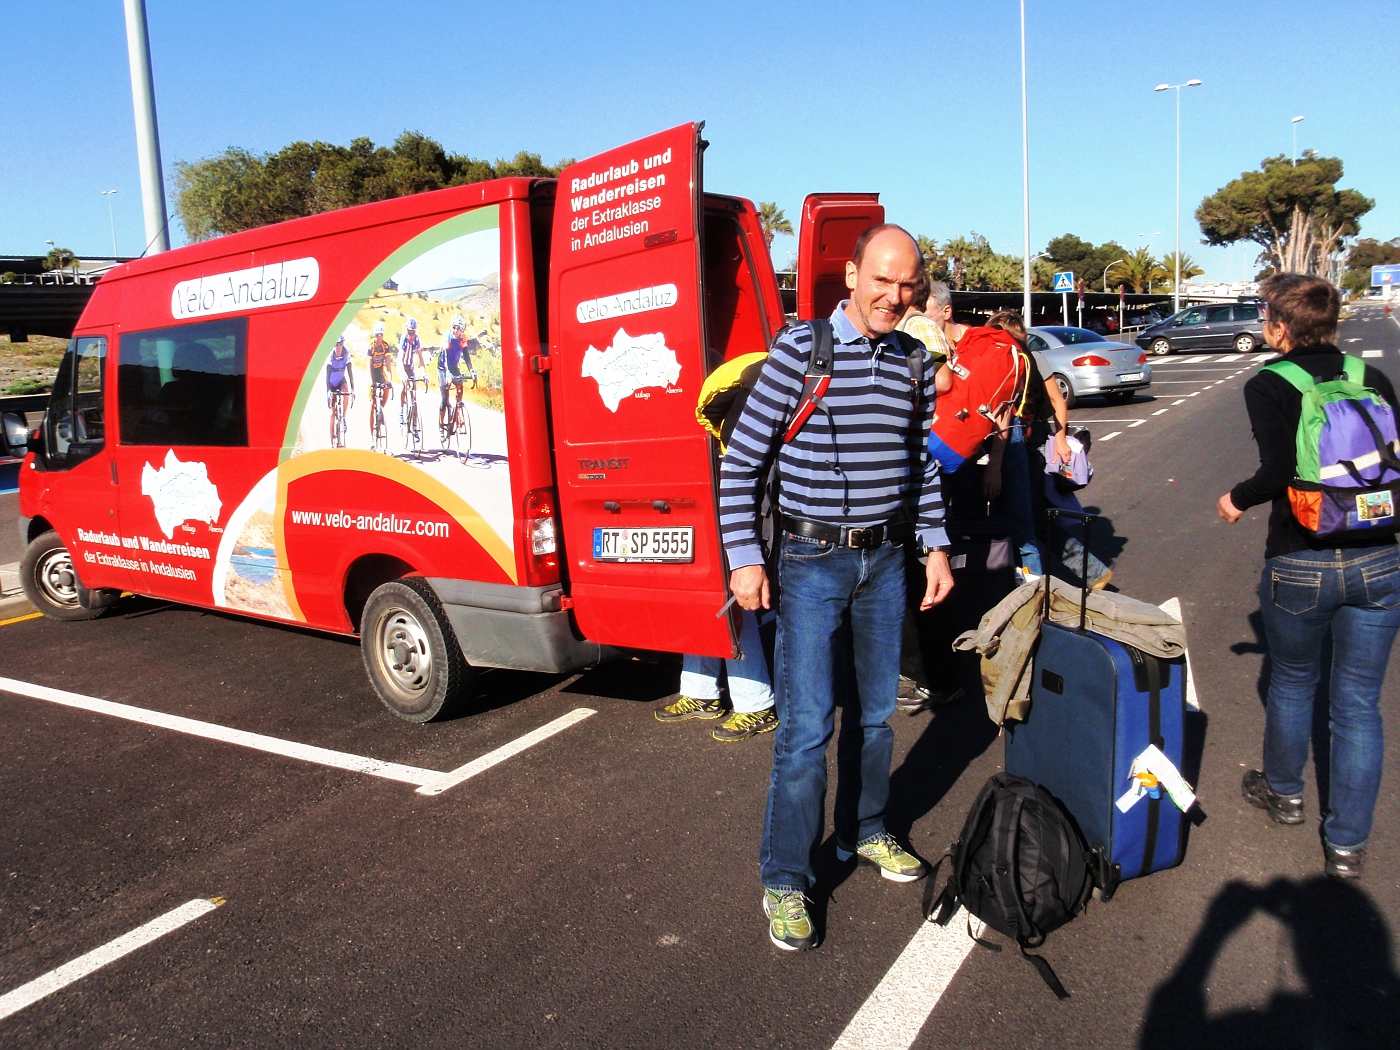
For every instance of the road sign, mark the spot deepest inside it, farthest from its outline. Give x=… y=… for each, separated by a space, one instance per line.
x=1064 y=282
x=1380 y=276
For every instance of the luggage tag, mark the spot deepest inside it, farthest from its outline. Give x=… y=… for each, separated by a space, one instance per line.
x=1152 y=772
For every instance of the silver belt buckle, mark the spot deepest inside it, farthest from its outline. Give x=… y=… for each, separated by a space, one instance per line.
x=856 y=537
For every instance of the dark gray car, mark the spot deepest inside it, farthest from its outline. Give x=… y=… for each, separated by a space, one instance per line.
x=1229 y=326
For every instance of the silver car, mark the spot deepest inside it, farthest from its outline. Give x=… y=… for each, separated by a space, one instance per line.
x=1084 y=363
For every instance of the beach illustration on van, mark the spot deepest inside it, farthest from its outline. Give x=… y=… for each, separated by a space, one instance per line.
x=246 y=575
x=416 y=374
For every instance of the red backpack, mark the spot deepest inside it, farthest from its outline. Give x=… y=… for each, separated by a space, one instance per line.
x=989 y=373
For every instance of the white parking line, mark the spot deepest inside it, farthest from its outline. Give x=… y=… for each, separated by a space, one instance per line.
x=900 y=1004
x=1371 y=353
x=1180 y=401
x=1266 y=357
x=28 y=994
x=1159 y=411
x=1110 y=437
x=1136 y=423
x=428 y=781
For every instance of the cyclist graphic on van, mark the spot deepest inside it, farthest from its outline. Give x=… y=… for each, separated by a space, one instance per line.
x=412 y=362
x=452 y=359
x=340 y=387
x=381 y=368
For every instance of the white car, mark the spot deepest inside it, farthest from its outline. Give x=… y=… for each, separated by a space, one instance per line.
x=1084 y=363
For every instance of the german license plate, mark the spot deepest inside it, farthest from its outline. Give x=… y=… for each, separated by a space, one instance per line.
x=1130 y=377
x=650 y=544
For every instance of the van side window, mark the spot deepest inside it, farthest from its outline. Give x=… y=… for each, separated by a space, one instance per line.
x=186 y=385
x=75 y=420
x=1218 y=314
x=1247 y=313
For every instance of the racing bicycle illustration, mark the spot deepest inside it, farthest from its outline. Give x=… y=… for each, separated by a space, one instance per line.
x=340 y=422
x=412 y=420
x=378 y=429
x=455 y=427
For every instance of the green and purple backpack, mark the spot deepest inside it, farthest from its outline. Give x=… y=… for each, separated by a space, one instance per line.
x=1348 y=475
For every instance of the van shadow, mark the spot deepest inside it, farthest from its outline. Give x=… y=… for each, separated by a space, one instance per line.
x=643 y=680
x=1342 y=948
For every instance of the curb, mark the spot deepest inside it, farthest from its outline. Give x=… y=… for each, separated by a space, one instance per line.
x=15 y=605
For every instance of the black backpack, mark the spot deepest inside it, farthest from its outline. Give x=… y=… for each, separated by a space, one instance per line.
x=1020 y=866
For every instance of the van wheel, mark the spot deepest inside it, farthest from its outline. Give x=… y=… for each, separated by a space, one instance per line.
x=1066 y=391
x=50 y=582
x=1160 y=347
x=1244 y=343
x=411 y=653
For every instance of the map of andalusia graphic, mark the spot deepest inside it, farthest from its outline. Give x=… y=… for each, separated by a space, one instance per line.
x=180 y=492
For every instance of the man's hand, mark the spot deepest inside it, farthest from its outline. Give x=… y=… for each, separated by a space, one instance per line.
x=1063 y=453
x=749 y=586
x=991 y=480
x=940 y=580
x=1226 y=509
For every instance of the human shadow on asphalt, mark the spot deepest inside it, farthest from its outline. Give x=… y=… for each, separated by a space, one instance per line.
x=1342 y=949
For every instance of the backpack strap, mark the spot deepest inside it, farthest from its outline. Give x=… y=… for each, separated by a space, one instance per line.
x=1294 y=375
x=817 y=379
x=1354 y=369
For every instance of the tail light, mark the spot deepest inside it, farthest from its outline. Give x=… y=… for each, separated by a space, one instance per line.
x=1090 y=361
x=541 y=545
x=1142 y=358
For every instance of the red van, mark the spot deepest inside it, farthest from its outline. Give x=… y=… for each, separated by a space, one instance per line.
x=459 y=424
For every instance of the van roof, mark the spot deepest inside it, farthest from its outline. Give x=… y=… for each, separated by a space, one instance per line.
x=264 y=238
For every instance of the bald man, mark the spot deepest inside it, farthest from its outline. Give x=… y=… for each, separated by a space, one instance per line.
x=857 y=484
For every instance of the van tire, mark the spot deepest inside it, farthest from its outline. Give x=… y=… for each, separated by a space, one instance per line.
x=50 y=582
x=1161 y=347
x=1244 y=343
x=411 y=653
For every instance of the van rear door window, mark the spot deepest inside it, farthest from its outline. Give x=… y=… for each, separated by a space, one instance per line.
x=186 y=385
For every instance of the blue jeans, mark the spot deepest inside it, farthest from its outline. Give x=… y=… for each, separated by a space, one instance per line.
x=1355 y=593
x=1015 y=500
x=820 y=587
x=750 y=689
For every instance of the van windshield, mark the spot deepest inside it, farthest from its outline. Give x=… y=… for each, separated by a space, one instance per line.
x=76 y=420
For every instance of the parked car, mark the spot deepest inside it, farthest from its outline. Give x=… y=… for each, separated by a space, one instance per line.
x=1236 y=326
x=1084 y=363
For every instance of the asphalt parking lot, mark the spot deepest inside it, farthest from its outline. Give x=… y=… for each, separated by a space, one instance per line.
x=598 y=887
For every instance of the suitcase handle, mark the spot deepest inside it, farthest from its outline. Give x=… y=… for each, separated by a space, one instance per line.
x=1087 y=519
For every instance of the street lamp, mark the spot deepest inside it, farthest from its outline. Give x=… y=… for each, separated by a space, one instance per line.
x=109 y=194
x=1176 y=287
x=1296 y=121
x=1110 y=266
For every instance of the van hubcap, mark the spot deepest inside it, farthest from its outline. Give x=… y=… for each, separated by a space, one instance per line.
x=1161 y=346
x=404 y=655
x=57 y=579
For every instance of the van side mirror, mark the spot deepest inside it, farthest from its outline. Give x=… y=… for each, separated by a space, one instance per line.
x=14 y=433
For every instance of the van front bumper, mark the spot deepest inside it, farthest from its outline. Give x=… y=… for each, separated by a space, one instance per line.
x=520 y=628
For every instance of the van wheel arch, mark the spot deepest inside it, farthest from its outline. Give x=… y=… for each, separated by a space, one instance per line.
x=37 y=527
x=364 y=576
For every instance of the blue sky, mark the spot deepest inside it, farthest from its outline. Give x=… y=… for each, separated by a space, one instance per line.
x=920 y=102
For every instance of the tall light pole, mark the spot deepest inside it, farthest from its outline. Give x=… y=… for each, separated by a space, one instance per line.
x=1176 y=286
x=1025 y=183
x=143 y=99
x=1296 y=121
x=109 y=194
x=1110 y=266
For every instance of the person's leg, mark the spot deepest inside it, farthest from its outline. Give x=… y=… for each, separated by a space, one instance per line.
x=1298 y=596
x=877 y=612
x=700 y=677
x=1014 y=503
x=815 y=580
x=750 y=686
x=1363 y=632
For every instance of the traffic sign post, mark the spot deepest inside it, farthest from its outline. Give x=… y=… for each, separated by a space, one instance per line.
x=1064 y=284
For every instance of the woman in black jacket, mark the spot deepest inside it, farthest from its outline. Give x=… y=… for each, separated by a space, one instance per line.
x=1347 y=583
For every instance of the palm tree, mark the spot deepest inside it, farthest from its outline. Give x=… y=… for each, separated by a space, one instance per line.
x=773 y=221
x=1139 y=270
x=1189 y=267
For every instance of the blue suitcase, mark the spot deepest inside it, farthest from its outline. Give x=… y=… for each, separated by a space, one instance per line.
x=1096 y=704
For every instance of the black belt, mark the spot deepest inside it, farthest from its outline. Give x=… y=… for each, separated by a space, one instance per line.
x=861 y=537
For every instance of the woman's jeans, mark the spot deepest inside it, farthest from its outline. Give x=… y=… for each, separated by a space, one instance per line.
x=840 y=612
x=1015 y=500
x=750 y=688
x=1356 y=594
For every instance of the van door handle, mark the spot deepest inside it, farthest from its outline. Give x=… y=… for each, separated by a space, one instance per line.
x=112 y=464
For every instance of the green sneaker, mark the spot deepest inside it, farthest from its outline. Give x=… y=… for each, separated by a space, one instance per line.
x=887 y=855
x=688 y=707
x=789 y=925
x=742 y=725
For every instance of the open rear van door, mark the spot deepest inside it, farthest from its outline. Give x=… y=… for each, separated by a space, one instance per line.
x=831 y=225
x=637 y=474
